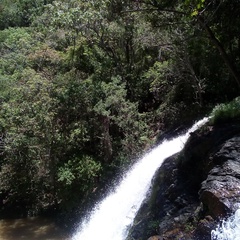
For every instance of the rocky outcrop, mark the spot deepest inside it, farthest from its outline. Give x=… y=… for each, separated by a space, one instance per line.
x=195 y=188
x=220 y=192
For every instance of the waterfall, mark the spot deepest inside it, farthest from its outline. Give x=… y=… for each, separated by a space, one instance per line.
x=229 y=229
x=111 y=218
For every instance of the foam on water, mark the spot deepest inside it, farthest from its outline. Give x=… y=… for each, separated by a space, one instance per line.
x=229 y=229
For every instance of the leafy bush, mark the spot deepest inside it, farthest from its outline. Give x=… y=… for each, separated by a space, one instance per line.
x=226 y=112
x=83 y=169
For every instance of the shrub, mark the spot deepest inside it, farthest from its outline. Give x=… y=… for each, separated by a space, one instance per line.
x=226 y=112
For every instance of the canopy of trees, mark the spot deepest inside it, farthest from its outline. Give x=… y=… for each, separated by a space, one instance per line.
x=85 y=86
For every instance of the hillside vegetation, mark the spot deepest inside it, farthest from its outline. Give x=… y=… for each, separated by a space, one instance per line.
x=86 y=86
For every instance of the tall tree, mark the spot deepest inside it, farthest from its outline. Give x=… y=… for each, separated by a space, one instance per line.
x=208 y=16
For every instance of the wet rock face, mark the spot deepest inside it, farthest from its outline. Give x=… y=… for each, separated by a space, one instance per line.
x=169 y=211
x=204 y=228
x=220 y=192
x=155 y=238
x=194 y=188
x=202 y=153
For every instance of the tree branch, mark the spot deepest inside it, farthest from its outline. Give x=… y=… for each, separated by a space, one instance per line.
x=153 y=9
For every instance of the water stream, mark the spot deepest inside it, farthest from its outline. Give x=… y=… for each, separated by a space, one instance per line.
x=229 y=229
x=111 y=218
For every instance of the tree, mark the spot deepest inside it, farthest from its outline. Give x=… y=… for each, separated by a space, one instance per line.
x=28 y=122
x=20 y=13
x=201 y=14
x=85 y=85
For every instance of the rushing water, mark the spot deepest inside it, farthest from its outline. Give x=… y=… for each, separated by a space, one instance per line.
x=111 y=218
x=229 y=229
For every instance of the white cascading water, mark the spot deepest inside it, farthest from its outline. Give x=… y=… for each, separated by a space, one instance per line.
x=229 y=229
x=111 y=218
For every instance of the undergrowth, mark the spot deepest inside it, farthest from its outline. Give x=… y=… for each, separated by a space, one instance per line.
x=226 y=112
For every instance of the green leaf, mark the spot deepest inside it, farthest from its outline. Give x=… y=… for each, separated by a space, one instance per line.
x=194 y=13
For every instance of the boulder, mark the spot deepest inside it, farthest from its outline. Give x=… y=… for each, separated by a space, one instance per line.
x=220 y=192
x=155 y=238
x=198 y=160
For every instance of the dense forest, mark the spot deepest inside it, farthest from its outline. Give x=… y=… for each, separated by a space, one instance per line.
x=86 y=86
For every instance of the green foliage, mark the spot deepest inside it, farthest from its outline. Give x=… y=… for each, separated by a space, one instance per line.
x=226 y=112
x=19 y=13
x=86 y=85
x=161 y=80
x=15 y=45
x=82 y=169
x=123 y=115
x=189 y=227
x=152 y=227
x=195 y=6
x=27 y=147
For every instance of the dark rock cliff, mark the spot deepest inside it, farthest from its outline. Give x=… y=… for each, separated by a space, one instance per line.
x=193 y=189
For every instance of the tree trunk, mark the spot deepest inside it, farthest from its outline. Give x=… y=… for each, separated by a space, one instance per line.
x=197 y=82
x=106 y=139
